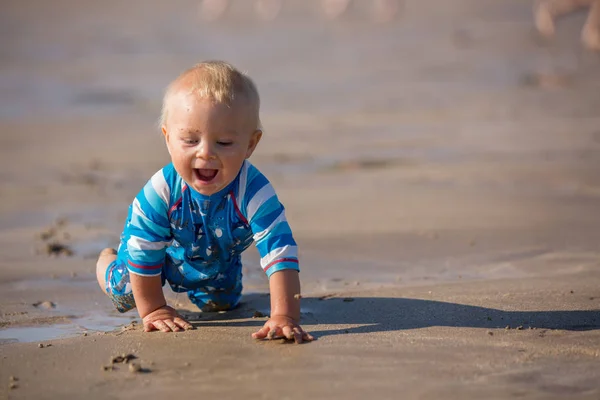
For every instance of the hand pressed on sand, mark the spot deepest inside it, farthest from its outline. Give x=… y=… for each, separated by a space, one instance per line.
x=165 y=319
x=279 y=326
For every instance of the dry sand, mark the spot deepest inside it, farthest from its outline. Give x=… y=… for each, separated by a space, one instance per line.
x=441 y=174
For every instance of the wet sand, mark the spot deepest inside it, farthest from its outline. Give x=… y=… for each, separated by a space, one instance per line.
x=440 y=173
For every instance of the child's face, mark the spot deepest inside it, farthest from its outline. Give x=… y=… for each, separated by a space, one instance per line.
x=208 y=141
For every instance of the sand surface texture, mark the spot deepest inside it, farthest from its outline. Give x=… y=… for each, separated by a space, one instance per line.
x=441 y=172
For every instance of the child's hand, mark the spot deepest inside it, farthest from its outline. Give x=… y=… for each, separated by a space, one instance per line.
x=165 y=319
x=280 y=326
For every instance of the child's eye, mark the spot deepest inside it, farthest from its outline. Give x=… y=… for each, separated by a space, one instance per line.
x=222 y=143
x=190 y=141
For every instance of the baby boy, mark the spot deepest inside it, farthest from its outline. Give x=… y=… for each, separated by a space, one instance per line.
x=192 y=220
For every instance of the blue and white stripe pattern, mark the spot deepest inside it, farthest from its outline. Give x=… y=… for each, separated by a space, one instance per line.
x=266 y=215
x=203 y=236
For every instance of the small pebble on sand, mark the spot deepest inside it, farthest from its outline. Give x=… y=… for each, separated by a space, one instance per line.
x=134 y=367
x=45 y=304
x=490 y=333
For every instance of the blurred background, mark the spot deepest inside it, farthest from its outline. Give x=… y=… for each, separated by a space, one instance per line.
x=409 y=140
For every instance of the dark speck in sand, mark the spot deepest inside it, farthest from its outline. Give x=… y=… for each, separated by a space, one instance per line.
x=57 y=249
x=61 y=222
x=48 y=233
x=122 y=359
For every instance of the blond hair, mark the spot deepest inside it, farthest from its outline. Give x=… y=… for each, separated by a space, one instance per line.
x=217 y=81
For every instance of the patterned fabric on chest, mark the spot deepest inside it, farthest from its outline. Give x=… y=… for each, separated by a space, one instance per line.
x=209 y=231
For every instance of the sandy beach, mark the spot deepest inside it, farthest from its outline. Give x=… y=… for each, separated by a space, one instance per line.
x=441 y=173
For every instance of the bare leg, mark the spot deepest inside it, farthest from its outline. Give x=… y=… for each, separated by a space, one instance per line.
x=106 y=256
x=590 y=35
x=546 y=11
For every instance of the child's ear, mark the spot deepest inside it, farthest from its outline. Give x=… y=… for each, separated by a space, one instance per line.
x=166 y=135
x=254 y=139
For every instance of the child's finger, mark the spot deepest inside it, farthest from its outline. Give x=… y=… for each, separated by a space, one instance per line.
x=307 y=336
x=161 y=326
x=183 y=323
x=288 y=333
x=272 y=334
x=261 y=333
x=172 y=326
x=297 y=335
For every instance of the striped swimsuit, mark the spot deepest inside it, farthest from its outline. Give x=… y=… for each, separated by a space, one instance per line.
x=194 y=242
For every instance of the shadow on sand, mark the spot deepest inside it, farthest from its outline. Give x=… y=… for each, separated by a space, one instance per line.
x=379 y=314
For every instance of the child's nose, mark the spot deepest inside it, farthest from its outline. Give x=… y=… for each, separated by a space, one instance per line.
x=205 y=151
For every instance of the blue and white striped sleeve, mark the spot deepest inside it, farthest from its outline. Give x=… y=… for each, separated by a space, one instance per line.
x=148 y=232
x=266 y=216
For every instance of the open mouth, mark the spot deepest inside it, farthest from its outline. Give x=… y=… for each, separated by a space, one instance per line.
x=205 y=174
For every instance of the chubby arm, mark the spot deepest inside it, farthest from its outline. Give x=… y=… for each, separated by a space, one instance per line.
x=285 y=290
x=285 y=309
x=146 y=236
x=152 y=306
x=278 y=254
